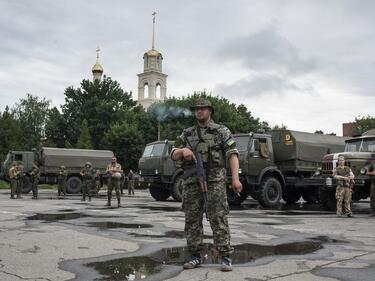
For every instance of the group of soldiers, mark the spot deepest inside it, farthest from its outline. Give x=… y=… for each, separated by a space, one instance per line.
x=90 y=184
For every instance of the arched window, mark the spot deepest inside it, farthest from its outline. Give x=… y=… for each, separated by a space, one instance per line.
x=145 y=91
x=158 y=89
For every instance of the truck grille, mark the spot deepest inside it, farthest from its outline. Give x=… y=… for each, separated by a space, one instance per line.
x=327 y=168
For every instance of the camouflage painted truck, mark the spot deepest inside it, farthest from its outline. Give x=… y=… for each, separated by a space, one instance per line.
x=50 y=160
x=277 y=165
x=359 y=152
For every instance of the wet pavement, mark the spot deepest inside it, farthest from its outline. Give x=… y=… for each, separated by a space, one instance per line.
x=53 y=239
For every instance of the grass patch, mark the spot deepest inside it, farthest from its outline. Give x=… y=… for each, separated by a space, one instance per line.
x=4 y=185
x=47 y=186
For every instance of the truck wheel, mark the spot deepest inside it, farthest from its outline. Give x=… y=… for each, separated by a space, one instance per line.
x=328 y=199
x=311 y=196
x=159 y=193
x=291 y=195
x=27 y=184
x=269 y=192
x=234 y=199
x=176 y=191
x=73 y=185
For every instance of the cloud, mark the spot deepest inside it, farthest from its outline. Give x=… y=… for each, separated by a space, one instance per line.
x=267 y=50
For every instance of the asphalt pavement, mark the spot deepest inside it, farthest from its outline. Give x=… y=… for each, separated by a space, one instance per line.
x=65 y=239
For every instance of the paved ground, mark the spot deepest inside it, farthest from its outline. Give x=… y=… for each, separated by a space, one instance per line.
x=51 y=239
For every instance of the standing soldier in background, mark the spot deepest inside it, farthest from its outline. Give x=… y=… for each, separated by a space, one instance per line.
x=88 y=174
x=371 y=172
x=13 y=174
x=344 y=177
x=61 y=181
x=131 y=180
x=35 y=175
x=215 y=144
x=114 y=172
x=20 y=179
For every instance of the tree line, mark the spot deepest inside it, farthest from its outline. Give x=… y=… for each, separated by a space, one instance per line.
x=101 y=115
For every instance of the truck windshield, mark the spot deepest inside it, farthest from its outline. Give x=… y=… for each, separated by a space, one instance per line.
x=154 y=150
x=242 y=142
x=360 y=145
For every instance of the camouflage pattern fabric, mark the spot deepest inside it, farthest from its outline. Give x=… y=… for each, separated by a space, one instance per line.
x=20 y=180
x=61 y=182
x=113 y=182
x=215 y=144
x=13 y=174
x=372 y=188
x=35 y=175
x=343 y=191
x=88 y=175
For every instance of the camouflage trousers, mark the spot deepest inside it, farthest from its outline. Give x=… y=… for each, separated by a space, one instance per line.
x=13 y=187
x=131 y=187
x=372 y=195
x=114 y=183
x=217 y=211
x=87 y=188
x=34 y=182
x=20 y=183
x=61 y=188
x=343 y=197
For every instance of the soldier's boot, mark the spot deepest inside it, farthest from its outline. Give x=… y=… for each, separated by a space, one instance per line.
x=12 y=197
x=108 y=203
x=89 y=198
x=226 y=264
x=83 y=198
x=195 y=261
x=118 y=202
x=350 y=215
x=19 y=197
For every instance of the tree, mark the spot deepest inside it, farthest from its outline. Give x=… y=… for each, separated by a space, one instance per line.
x=56 y=129
x=10 y=132
x=31 y=114
x=365 y=123
x=84 y=140
x=100 y=103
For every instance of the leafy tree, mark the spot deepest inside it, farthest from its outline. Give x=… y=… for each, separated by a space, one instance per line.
x=10 y=132
x=56 y=129
x=127 y=143
x=31 y=114
x=100 y=103
x=320 y=132
x=365 y=123
x=84 y=140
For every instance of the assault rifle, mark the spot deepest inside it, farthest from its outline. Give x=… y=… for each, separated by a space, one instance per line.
x=200 y=172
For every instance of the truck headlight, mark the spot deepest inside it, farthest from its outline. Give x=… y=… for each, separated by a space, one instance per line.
x=363 y=171
x=156 y=172
x=318 y=172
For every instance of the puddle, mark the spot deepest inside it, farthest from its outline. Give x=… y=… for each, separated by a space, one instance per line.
x=326 y=239
x=57 y=217
x=157 y=208
x=169 y=234
x=141 y=267
x=297 y=213
x=102 y=225
x=67 y=210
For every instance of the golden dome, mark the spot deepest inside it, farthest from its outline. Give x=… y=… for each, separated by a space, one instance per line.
x=97 y=67
x=153 y=53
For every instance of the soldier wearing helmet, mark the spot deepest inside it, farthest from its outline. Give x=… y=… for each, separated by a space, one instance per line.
x=215 y=144
x=114 y=172
x=61 y=181
x=88 y=175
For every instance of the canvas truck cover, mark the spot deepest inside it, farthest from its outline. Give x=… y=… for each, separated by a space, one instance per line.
x=291 y=145
x=75 y=158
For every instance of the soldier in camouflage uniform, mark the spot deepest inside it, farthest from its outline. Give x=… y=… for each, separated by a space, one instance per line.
x=216 y=144
x=35 y=175
x=88 y=174
x=344 y=176
x=13 y=175
x=371 y=172
x=114 y=172
x=61 y=181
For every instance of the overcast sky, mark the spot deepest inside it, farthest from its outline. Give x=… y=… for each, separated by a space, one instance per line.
x=307 y=64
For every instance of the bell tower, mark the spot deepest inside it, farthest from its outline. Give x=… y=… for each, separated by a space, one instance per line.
x=152 y=82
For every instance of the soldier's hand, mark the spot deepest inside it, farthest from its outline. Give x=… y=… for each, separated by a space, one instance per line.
x=236 y=185
x=187 y=154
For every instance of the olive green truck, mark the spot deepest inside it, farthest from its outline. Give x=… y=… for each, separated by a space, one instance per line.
x=359 y=153
x=49 y=161
x=278 y=165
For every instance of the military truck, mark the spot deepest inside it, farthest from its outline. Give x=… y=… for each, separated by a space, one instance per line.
x=359 y=152
x=50 y=160
x=277 y=165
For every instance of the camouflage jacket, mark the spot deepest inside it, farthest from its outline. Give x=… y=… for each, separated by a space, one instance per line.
x=35 y=172
x=88 y=173
x=343 y=172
